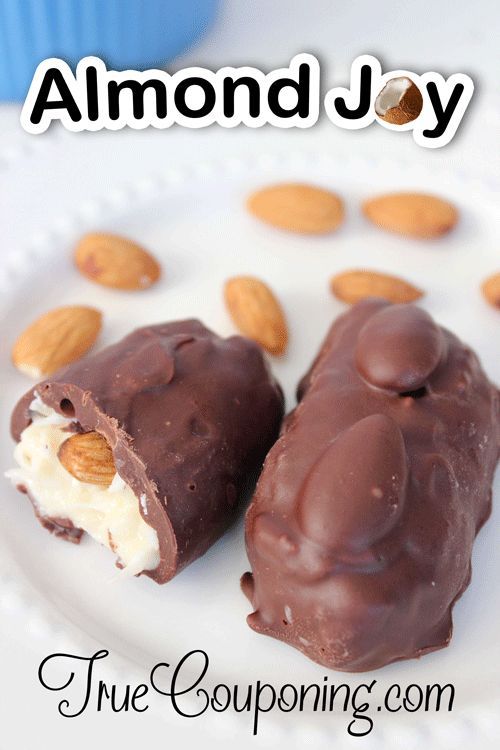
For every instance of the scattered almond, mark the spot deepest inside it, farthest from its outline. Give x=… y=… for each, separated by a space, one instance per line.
x=298 y=208
x=56 y=339
x=256 y=312
x=491 y=289
x=413 y=214
x=88 y=457
x=115 y=261
x=353 y=286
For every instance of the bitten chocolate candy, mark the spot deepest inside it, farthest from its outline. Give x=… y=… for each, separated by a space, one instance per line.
x=361 y=528
x=188 y=416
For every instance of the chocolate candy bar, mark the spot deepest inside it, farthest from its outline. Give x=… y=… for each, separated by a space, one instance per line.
x=188 y=416
x=362 y=525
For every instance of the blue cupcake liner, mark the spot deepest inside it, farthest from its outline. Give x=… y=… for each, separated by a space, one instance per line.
x=136 y=34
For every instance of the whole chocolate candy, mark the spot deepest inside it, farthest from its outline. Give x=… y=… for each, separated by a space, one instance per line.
x=188 y=416
x=361 y=528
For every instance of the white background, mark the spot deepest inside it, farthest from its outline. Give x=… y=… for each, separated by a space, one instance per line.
x=446 y=36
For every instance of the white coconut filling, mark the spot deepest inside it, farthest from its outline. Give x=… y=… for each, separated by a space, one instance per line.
x=391 y=95
x=108 y=514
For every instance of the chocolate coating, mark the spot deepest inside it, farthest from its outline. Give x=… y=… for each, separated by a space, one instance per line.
x=188 y=416
x=361 y=529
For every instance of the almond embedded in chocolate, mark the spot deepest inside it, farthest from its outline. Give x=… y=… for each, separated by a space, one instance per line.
x=398 y=348
x=88 y=457
x=329 y=513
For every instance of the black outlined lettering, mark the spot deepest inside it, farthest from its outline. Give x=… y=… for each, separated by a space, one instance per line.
x=364 y=101
x=229 y=88
x=208 y=93
x=95 y=98
x=54 y=77
x=443 y=116
x=138 y=92
x=301 y=87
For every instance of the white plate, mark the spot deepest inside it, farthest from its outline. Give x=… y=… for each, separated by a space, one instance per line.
x=195 y=222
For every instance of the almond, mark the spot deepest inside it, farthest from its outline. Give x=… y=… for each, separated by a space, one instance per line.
x=413 y=214
x=491 y=289
x=88 y=457
x=353 y=286
x=256 y=312
x=116 y=262
x=298 y=208
x=56 y=339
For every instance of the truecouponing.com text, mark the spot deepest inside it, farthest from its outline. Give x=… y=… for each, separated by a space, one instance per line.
x=189 y=692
